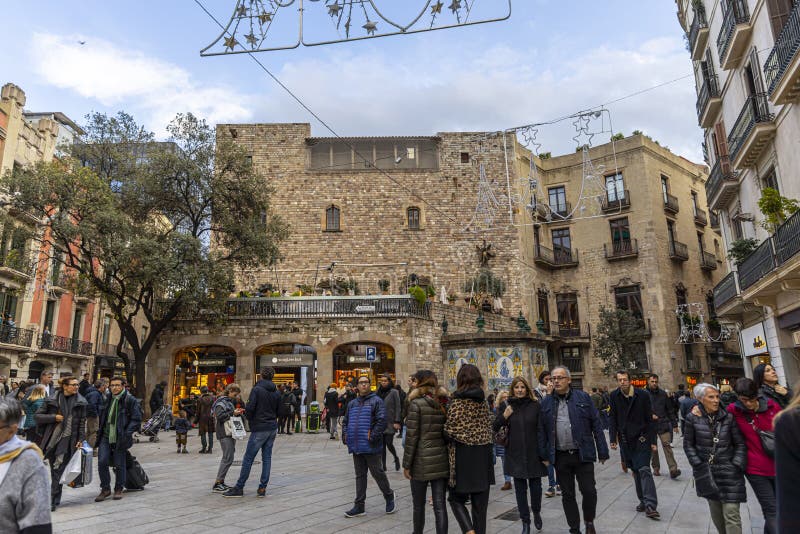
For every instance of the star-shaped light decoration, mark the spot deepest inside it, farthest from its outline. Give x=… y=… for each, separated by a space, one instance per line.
x=231 y=42
x=454 y=6
x=371 y=27
x=347 y=28
x=334 y=9
x=436 y=8
x=265 y=17
x=251 y=39
x=241 y=11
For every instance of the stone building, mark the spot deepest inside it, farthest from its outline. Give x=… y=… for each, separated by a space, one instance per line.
x=367 y=212
x=746 y=61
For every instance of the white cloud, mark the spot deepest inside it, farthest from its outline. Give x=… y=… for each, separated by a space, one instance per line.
x=114 y=76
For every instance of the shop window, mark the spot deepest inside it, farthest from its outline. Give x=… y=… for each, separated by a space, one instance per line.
x=292 y=362
x=213 y=366
x=350 y=362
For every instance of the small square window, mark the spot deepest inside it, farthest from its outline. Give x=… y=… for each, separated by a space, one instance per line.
x=465 y=157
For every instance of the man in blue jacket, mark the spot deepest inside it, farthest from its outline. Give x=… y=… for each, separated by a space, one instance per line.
x=362 y=432
x=121 y=417
x=573 y=440
x=262 y=413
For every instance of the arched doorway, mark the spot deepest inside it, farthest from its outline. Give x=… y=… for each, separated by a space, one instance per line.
x=213 y=366
x=35 y=370
x=293 y=362
x=350 y=362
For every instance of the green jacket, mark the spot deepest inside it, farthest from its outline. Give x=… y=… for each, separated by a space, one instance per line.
x=425 y=453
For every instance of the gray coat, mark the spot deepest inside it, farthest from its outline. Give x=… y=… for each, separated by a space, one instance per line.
x=25 y=495
x=393 y=410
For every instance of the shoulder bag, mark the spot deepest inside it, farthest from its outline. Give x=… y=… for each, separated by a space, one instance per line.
x=767 y=438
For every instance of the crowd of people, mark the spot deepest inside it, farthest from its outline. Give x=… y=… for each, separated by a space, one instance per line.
x=451 y=442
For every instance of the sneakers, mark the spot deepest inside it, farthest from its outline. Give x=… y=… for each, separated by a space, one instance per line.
x=390 y=505
x=220 y=487
x=261 y=492
x=652 y=513
x=234 y=492
x=675 y=474
x=551 y=492
x=355 y=511
x=558 y=489
x=185 y=451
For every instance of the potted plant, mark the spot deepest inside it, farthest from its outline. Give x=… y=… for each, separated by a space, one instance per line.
x=419 y=294
x=430 y=292
x=383 y=285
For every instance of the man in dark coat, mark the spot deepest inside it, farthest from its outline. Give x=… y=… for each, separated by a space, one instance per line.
x=157 y=397
x=632 y=427
x=297 y=415
x=332 y=408
x=574 y=441
x=666 y=426
x=787 y=456
x=205 y=420
x=84 y=384
x=394 y=408
x=121 y=418
x=95 y=396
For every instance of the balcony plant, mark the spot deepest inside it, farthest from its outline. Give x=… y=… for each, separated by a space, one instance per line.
x=383 y=285
x=419 y=294
x=741 y=249
x=776 y=208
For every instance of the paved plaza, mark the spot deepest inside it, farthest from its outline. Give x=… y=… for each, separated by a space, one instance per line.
x=312 y=486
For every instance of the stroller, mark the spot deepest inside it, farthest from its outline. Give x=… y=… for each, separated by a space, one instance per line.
x=151 y=427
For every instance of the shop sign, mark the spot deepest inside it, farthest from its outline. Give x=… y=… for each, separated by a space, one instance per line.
x=754 y=341
x=691 y=380
x=639 y=382
x=291 y=360
x=362 y=358
x=218 y=362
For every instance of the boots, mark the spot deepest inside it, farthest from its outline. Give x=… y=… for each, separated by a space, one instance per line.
x=526 y=528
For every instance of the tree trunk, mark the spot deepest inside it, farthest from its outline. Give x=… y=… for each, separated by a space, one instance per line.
x=139 y=378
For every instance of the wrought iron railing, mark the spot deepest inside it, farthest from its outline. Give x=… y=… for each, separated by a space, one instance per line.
x=700 y=217
x=737 y=13
x=708 y=261
x=757 y=265
x=787 y=239
x=572 y=329
x=755 y=110
x=709 y=90
x=713 y=219
x=621 y=199
x=575 y=365
x=726 y=290
x=699 y=22
x=786 y=46
x=671 y=203
x=678 y=250
x=717 y=178
x=562 y=209
x=65 y=344
x=16 y=336
x=559 y=256
x=621 y=249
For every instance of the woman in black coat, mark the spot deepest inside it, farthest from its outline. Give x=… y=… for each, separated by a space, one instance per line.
x=524 y=452
x=766 y=378
x=726 y=459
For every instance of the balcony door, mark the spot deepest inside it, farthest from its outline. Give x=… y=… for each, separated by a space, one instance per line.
x=779 y=12
x=615 y=188
x=568 y=320
x=562 y=246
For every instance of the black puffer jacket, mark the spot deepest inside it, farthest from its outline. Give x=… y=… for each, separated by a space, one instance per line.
x=526 y=444
x=425 y=453
x=730 y=458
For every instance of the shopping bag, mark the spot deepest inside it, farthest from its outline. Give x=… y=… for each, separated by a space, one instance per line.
x=86 y=467
x=237 y=427
x=73 y=469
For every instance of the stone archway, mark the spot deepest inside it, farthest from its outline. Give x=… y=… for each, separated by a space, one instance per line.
x=196 y=366
x=292 y=362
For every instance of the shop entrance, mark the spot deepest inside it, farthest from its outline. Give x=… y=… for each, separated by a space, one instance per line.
x=350 y=362
x=203 y=365
x=293 y=362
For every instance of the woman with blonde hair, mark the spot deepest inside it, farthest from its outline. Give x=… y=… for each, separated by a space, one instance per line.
x=30 y=405
x=525 y=451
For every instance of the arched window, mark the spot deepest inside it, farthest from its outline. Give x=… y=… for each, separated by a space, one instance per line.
x=332 y=219
x=413 y=218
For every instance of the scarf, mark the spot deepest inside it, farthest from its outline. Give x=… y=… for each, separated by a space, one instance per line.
x=14 y=447
x=468 y=422
x=384 y=392
x=113 y=413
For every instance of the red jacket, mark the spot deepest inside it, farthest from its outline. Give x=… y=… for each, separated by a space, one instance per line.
x=758 y=463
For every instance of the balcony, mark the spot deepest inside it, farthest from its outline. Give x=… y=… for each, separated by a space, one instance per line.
x=734 y=34
x=303 y=307
x=575 y=365
x=65 y=344
x=753 y=129
x=678 y=251
x=709 y=101
x=620 y=250
x=698 y=34
x=620 y=200
x=782 y=68
x=757 y=265
x=713 y=220
x=561 y=211
x=787 y=239
x=671 y=203
x=12 y=335
x=561 y=258
x=722 y=185
x=571 y=330
x=15 y=269
x=700 y=217
x=708 y=262
x=727 y=296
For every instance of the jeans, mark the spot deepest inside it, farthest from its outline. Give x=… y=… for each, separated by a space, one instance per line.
x=259 y=441
x=666 y=443
x=480 y=505
x=207 y=443
x=371 y=462
x=521 y=491
x=404 y=437
x=107 y=455
x=569 y=468
x=551 y=476
x=764 y=488
x=500 y=451
x=725 y=516
x=228 y=445
x=418 y=490
x=332 y=422
x=638 y=458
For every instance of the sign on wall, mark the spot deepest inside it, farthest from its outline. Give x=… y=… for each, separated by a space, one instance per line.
x=754 y=340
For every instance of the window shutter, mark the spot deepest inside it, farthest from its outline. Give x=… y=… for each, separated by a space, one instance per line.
x=779 y=11
x=722 y=148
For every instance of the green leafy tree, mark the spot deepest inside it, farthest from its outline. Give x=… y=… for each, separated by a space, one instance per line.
x=776 y=208
x=155 y=229
x=617 y=339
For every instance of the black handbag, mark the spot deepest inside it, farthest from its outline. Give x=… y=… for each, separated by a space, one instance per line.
x=501 y=436
x=767 y=438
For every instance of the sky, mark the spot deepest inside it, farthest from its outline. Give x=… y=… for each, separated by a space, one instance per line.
x=551 y=58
